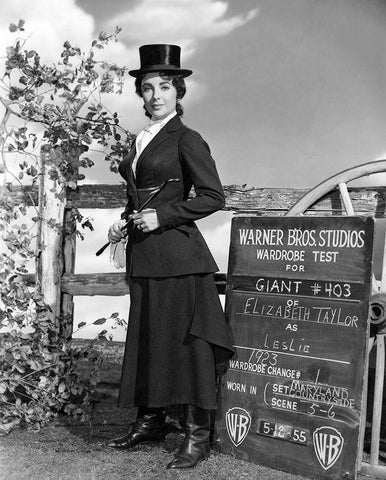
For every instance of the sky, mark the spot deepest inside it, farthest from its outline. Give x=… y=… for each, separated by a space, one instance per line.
x=286 y=92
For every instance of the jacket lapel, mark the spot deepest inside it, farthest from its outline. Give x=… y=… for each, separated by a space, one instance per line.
x=129 y=169
x=172 y=125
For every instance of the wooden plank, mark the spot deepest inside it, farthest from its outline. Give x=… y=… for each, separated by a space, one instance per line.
x=89 y=284
x=110 y=284
x=239 y=198
x=378 y=471
x=367 y=201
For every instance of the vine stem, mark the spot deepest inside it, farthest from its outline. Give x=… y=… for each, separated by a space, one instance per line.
x=3 y=130
x=28 y=374
x=40 y=370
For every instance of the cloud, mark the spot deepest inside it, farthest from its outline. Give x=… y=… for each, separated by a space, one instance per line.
x=48 y=23
x=178 y=21
x=47 y=26
x=175 y=21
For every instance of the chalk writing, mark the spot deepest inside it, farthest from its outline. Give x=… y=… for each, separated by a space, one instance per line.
x=263 y=356
x=284 y=403
x=331 y=395
x=278 y=285
x=289 y=345
x=264 y=369
x=320 y=404
x=333 y=316
x=237 y=387
x=325 y=257
x=344 y=315
x=297 y=287
x=278 y=255
x=261 y=237
x=335 y=238
x=288 y=312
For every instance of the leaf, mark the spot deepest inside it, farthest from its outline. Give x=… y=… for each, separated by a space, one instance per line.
x=35 y=365
x=62 y=387
x=81 y=324
x=5 y=428
x=88 y=224
x=3 y=388
x=13 y=28
x=100 y=321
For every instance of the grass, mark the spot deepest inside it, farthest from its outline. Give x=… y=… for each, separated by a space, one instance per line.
x=65 y=450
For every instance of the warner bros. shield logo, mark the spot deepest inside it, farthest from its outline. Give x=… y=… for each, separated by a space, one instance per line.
x=328 y=445
x=238 y=422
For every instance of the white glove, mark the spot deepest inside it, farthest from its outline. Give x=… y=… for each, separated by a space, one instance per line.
x=115 y=233
x=118 y=253
x=117 y=248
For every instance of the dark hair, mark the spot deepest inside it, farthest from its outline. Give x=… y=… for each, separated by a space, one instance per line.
x=178 y=83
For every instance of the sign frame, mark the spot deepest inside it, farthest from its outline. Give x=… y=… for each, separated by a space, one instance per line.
x=297 y=300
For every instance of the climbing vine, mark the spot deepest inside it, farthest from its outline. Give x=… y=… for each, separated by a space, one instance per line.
x=58 y=108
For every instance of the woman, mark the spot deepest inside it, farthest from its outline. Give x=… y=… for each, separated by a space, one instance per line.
x=177 y=332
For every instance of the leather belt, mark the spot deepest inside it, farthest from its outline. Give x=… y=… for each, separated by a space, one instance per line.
x=147 y=190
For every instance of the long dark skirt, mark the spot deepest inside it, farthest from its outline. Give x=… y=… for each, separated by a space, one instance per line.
x=176 y=334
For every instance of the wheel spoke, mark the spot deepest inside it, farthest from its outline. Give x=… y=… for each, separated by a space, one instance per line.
x=346 y=199
x=374 y=285
x=382 y=288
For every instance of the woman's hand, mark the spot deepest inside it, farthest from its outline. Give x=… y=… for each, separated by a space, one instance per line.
x=115 y=233
x=147 y=220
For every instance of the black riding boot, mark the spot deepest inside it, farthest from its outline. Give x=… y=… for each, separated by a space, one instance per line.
x=196 y=446
x=149 y=427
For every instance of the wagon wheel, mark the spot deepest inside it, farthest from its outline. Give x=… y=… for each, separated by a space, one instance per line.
x=377 y=301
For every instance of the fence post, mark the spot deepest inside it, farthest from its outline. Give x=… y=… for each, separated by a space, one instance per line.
x=52 y=199
x=69 y=252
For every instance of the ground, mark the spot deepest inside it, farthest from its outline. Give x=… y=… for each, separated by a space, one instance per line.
x=65 y=450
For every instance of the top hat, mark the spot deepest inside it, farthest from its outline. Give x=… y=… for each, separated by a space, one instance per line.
x=160 y=58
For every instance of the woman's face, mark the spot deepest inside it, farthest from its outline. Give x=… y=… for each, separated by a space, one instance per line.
x=159 y=95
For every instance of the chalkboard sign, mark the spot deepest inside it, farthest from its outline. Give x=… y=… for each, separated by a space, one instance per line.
x=297 y=302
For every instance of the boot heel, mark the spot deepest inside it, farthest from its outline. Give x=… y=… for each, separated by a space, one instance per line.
x=196 y=446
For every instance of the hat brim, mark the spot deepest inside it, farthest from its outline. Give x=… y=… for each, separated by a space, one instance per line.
x=161 y=68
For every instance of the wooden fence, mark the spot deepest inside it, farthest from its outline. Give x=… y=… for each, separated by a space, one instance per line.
x=56 y=262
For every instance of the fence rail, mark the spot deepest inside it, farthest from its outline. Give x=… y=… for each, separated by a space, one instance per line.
x=368 y=201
